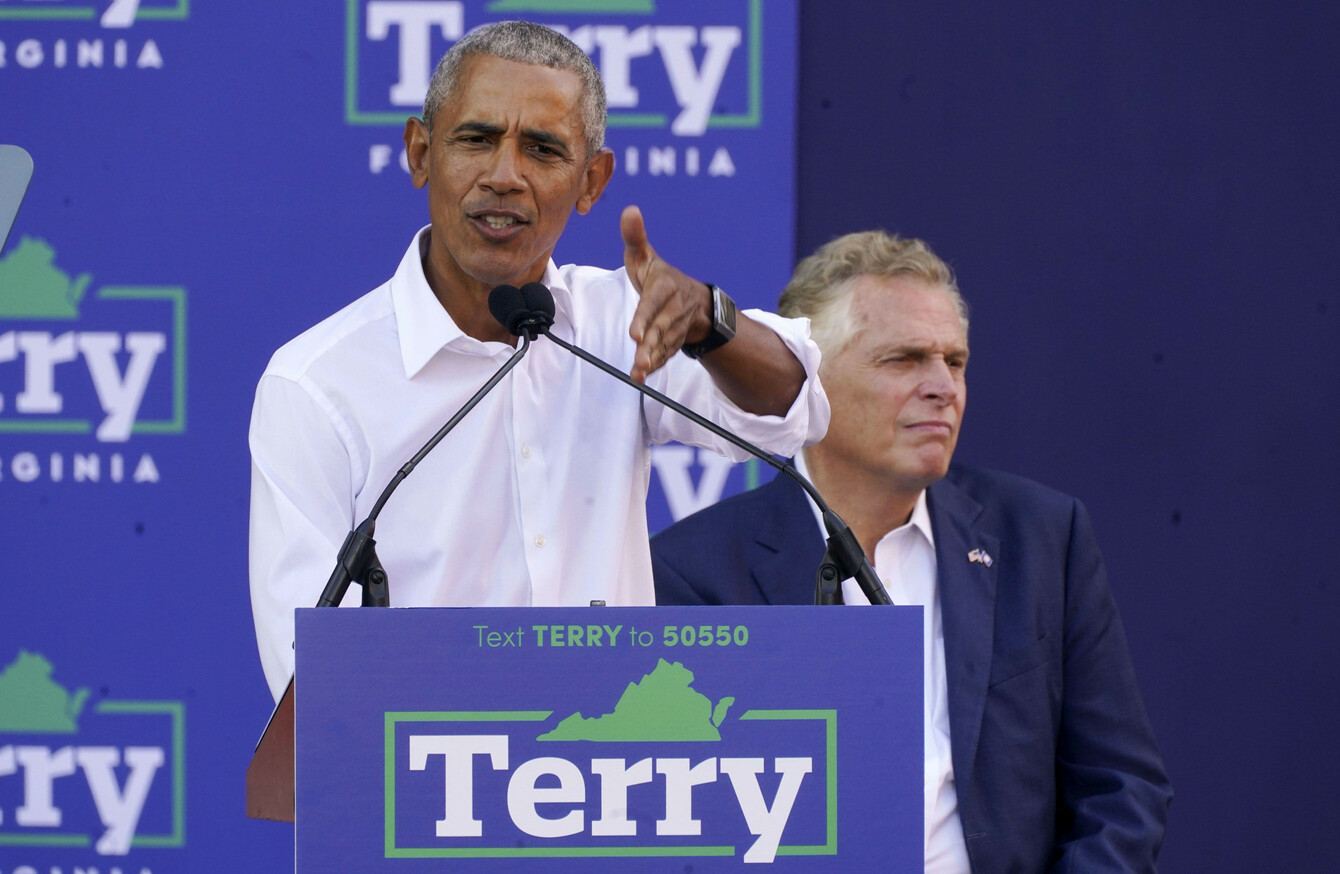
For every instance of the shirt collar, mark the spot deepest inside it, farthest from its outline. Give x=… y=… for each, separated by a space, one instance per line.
x=563 y=308
x=423 y=324
x=921 y=516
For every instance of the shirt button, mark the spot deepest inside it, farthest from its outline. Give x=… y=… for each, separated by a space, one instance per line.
x=525 y=450
x=539 y=540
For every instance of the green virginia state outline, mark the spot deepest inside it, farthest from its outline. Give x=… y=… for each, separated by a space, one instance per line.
x=33 y=287
x=31 y=702
x=663 y=706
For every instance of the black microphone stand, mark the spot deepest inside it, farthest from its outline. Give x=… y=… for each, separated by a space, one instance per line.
x=357 y=561
x=842 y=559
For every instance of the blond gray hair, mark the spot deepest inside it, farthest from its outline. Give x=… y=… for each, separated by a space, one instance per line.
x=524 y=43
x=820 y=289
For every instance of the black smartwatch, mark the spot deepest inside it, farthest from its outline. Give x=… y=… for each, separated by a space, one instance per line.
x=723 y=325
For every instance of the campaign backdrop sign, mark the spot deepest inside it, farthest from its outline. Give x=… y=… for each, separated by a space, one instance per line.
x=208 y=180
x=609 y=739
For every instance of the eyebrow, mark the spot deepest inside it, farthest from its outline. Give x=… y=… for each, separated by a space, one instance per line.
x=544 y=136
x=919 y=351
x=493 y=130
x=478 y=127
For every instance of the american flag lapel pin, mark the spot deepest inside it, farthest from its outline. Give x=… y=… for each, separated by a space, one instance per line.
x=981 y=556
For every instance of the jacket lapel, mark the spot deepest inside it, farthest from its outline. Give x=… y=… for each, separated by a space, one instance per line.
x=788 y=546
x=968 y=607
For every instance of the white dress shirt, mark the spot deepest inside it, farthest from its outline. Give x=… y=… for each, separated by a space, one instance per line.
x=905 y=563
x=537 y=498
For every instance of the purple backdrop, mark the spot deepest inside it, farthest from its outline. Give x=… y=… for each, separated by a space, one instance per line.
x=1141 y=204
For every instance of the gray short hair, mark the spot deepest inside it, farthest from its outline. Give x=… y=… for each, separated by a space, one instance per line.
x=820 y=287
x=524 y=43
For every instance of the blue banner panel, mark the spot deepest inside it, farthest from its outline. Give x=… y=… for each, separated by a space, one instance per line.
x=595 y=739
x=208 y=180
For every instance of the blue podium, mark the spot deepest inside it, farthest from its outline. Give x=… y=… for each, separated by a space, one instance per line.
x=609 y=739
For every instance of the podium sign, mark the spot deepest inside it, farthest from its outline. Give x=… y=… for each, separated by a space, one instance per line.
x=609 y=739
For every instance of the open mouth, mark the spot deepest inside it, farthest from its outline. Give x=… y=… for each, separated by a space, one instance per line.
x=495 y=221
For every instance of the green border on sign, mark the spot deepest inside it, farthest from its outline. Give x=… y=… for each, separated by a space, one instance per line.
x=751 y=471
x=752 y=118
x=53 y=840
x=59 y=14
x=177 y=711
x=829 y=717
x=180 y=12
x=177 y=424
x=392 y=718
x=177 y=838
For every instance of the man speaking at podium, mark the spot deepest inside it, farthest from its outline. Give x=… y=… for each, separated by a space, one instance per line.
x=539 y=496
x=1038 y=754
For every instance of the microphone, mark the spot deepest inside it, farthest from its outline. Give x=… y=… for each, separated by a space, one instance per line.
x=357 y=562
x=843 y=558
x=523 y=311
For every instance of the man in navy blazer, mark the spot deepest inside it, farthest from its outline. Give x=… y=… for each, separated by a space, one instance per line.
x=1039 y=755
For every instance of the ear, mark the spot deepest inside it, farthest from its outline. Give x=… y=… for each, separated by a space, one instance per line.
x=417 y=152
x=596 y=176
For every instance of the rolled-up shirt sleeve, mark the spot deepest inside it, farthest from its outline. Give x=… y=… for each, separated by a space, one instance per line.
x=688 y=382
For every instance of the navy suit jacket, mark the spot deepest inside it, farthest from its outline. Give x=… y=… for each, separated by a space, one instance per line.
x=1055 y=765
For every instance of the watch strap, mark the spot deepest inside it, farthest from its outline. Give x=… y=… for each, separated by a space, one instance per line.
x=723 y=325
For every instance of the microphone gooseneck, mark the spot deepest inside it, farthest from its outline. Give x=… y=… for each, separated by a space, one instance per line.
x=844 y=550
x=357 y=560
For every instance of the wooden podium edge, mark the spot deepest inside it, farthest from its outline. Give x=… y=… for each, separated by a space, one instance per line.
x=270 y=774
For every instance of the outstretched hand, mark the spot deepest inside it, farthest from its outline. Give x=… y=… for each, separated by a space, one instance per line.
x=674 y=308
